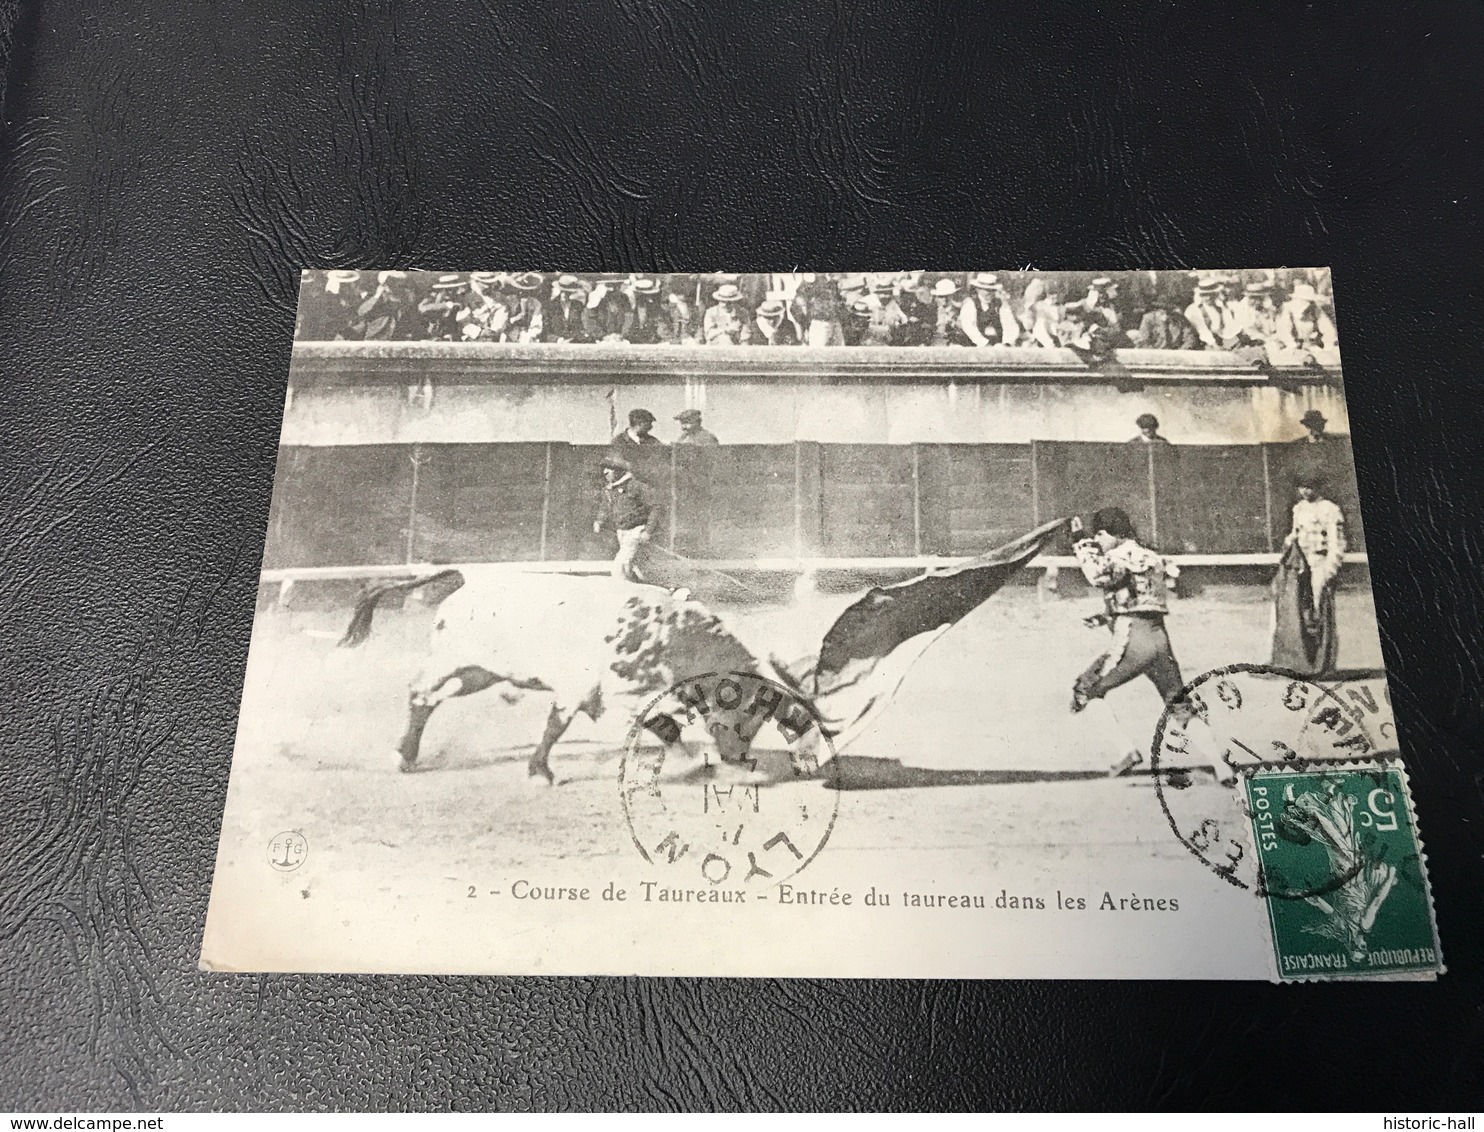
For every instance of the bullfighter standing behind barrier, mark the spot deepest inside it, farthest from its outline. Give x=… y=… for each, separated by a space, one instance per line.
x=1132 y=578
x=1305 y=635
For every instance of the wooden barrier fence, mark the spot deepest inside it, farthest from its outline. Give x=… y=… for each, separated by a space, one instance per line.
x=372 y=505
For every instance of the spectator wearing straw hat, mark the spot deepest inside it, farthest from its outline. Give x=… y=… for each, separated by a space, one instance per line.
x=724 y=324
x=564 y=318
x=947 y=308
x=1303 y=323
x=440 y=308
x=1211 y=318
x=651 y=322
x=525 y=322
x=1256 y=316
x=884 y=326
x=772 y=326
x=979 y=316
x=857 y=320
x=987 y=318
x=485 y=315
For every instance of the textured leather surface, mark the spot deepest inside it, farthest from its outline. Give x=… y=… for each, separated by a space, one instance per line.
x=166 y=168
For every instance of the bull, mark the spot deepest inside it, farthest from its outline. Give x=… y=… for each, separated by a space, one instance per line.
x=580 y=641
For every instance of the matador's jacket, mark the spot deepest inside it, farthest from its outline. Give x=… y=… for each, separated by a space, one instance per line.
x=1132 y=577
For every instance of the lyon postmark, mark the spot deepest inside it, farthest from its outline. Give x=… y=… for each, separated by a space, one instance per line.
x=288 y=850
x=1240 y=717
x=715 y=782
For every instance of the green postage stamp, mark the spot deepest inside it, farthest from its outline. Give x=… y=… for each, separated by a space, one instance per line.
x=1342 y=871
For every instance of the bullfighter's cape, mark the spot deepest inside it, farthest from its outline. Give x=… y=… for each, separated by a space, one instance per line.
x=888 y=616
x=1304 y=635
x=867 y=651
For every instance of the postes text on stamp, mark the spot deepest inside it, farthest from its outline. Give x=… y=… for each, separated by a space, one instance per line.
x=1342 y=869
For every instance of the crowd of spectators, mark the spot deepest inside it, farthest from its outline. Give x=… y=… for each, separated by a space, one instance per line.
x=1273 y=311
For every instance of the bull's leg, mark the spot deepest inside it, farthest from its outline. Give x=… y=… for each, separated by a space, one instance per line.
x=418 y=712
x=421 y=702
x=557 y=722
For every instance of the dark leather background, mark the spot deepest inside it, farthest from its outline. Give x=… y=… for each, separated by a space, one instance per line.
x=166 y=168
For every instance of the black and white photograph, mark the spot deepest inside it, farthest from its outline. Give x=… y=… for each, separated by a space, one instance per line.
x=894 y=624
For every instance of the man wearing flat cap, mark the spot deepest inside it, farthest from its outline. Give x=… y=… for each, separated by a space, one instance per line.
x=725 y=323
x=637 y=444
x=624 y=507
x=1148 y=425
x=691 y=432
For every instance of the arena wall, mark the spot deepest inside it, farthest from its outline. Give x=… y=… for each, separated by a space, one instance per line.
x=475 y=393
x=451 y=452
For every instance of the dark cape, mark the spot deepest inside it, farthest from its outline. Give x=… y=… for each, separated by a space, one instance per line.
x=1304 y=638
x=888 y=616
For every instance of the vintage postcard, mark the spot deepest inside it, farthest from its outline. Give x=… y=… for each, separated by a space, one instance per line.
x=889 y=624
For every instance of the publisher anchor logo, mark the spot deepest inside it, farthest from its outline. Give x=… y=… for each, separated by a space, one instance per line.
x=287 y=851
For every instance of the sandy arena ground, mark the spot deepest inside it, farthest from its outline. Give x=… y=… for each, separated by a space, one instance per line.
x=315 y=748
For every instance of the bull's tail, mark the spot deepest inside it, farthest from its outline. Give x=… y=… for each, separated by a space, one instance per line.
x=360 y=622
